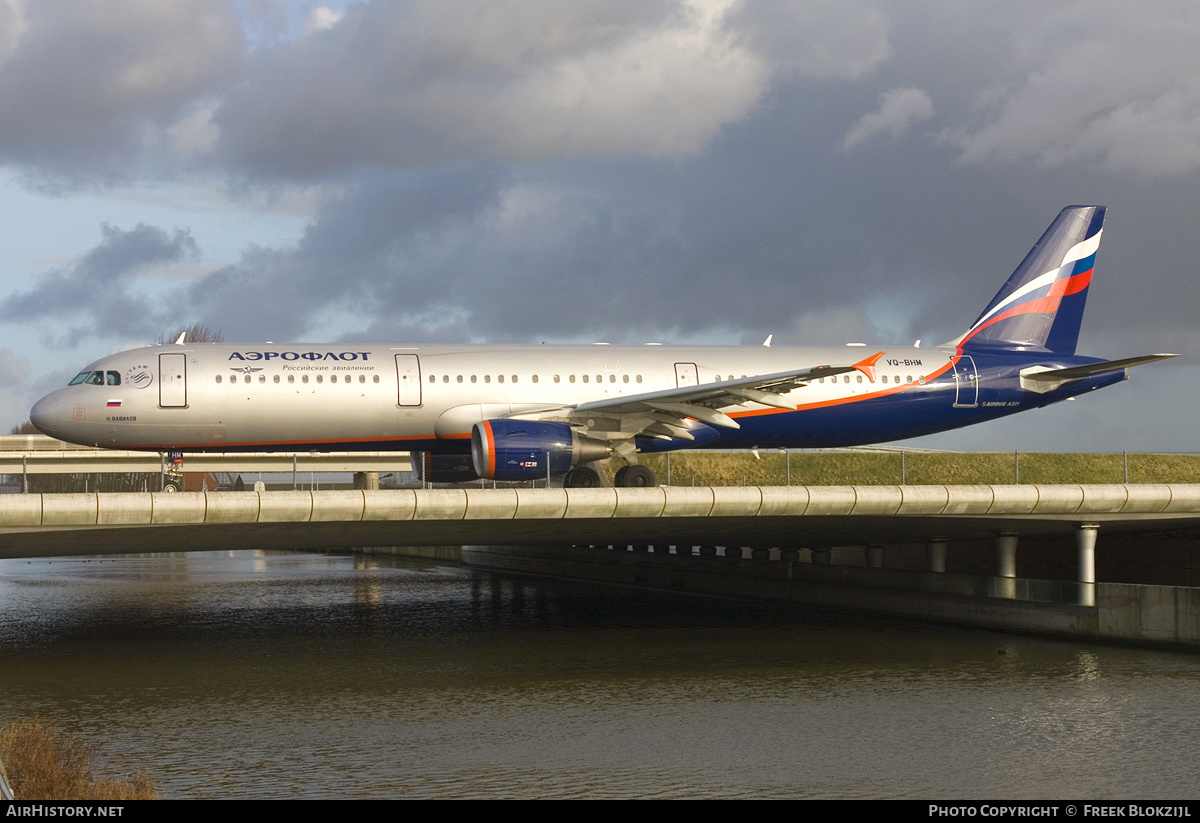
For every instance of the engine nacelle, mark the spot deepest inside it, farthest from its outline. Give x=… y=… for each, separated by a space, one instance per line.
x=527 y=450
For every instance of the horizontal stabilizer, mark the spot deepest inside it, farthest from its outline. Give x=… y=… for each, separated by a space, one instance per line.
x=1042 y=380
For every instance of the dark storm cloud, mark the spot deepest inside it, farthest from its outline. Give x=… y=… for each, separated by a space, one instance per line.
x=1101 y=83
x=90 y=87
x=418 y=83
x=100 y=289
x=832 y=168
x=422 y=83
x=357 y=249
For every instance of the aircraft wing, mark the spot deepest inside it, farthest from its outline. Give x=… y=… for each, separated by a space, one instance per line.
x=1044 y=380
x=665 y=414
x=708 y=397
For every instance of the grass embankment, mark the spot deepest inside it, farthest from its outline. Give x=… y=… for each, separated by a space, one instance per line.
x=866 y=467
x=45 y=763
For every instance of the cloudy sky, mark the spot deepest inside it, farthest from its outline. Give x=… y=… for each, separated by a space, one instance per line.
x=624 y=170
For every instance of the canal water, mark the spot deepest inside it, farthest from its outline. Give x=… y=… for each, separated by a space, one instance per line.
x=286 y=675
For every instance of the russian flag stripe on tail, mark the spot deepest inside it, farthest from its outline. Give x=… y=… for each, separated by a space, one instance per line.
x=1041 y=305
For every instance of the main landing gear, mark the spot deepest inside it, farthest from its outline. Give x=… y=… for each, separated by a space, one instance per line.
x=582 y=478
x=634 y=477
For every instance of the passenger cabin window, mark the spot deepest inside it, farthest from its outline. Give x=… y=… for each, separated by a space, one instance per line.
x=218 y=378
x=276 y=378
x=291 y=378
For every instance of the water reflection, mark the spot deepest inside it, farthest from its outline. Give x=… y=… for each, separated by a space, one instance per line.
x=250 y=674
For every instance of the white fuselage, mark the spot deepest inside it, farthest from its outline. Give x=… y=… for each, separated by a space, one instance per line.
x=268 y=396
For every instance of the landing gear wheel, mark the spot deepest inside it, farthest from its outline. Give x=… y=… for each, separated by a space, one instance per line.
x=634 y=477
x=171 y=486
x=581 y=478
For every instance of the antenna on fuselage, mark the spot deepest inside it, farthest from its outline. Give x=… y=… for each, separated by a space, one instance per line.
x=179 y=339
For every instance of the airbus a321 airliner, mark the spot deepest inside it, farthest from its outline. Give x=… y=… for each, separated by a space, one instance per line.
x=531 y=411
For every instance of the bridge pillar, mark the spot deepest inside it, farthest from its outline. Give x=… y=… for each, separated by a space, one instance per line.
x=1085 y=541
x=1006 y=554
x=936 y=549
x=366 y=480
x=820 y=557
x=875 y=555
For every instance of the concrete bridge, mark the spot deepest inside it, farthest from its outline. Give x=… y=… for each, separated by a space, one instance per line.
x=783 y=517
x=778 y=542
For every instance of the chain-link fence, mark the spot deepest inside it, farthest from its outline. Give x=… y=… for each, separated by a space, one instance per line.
x=827 y=467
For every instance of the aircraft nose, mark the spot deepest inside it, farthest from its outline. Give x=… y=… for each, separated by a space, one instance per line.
x=47 y=414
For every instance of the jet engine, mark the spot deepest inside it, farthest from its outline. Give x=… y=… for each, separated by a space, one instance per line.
x=527 y=450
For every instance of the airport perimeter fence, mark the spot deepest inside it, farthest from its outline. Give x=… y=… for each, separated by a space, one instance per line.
x=824 y=467
x=873 y=466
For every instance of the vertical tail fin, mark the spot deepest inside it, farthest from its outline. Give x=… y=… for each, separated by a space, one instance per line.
x=1041 y=305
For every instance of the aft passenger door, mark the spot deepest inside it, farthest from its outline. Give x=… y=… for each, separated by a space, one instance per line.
x=408 y=380
x=966 y=379
x=172 y=381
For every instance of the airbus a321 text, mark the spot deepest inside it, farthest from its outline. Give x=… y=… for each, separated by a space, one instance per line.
x=532 y=411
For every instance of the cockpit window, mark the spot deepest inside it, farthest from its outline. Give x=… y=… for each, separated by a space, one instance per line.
x=96 y=378
x=91 y=378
